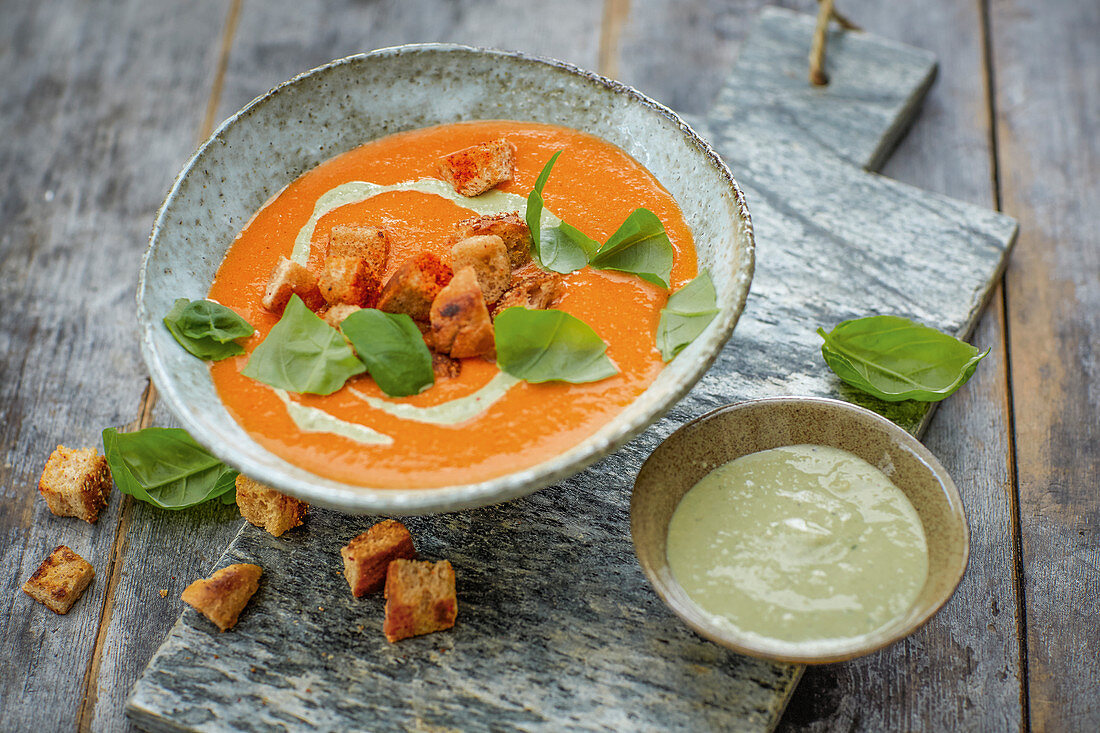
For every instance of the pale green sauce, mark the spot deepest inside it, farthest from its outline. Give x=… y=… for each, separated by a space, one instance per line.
x=797 y=544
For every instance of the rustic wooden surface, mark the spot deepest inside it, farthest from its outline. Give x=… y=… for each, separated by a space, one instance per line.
x=101 y=104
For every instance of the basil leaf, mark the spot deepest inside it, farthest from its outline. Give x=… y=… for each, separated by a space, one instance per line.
x=205 y=318
x=302 y=353
x=688 y=312
x=549 y=345
x=165 y=467
x=640 y=246
x=393 y=350
x=895 y=359
x=562 y=248
x=204 y=346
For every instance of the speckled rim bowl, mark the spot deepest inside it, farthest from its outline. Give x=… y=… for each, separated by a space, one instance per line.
x=736 y=430
x=338 y=106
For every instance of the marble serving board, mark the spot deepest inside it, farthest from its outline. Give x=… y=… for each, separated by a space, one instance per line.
x=557 y=627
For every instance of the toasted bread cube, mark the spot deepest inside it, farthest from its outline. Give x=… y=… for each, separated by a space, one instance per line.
x=60 y=580
x=534 y=290
x=76 y=483
x=346 y=280
x=489 y=258
x=287 y=279
x=223 y=596
x=476 y=169
x=509 y=227
x=265 y=507
x=420 y=598
x=461 y=326
x=335 y=315
x=444 y=367
x=367 y=556
x=414 y=286
x=369 y=244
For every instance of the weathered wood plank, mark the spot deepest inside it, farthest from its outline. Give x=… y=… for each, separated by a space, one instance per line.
x=1047 y=74
x=97 y=111
x=968 y=654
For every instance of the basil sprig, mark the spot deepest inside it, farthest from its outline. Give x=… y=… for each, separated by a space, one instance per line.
x=640 y=246
x=166 y=468
x=393 y=350
x=688 y=312
x=207 y=329
x=549 y=345
x=302 y=353
x=895 y=359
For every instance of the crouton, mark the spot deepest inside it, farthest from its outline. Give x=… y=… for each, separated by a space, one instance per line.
x=265 y=507
x=460 y=321
x=509 y=227
x=534 y=290
x=335 y=315
x=223 y=596
x=476 y=169
x=287 y=279
x=60 y=580
x=489 y=258
x=345 y=280
x=444 y=367
x=420 y=598
x=76 y=483
x=367 y=556
x=414 y=286
x=369 y=244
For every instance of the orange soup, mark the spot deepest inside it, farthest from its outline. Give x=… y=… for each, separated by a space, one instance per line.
x=515 y=424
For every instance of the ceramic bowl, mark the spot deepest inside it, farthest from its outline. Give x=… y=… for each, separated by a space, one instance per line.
x=736 y=430
x=348 y=102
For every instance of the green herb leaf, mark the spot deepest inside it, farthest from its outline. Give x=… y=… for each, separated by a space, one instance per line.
x=895 y=359
x=562 y=248
x=302 y=353
x=549 y=345
x=204 y=330
x=688 y=312
x=165 y=467
x=640 y=246
x=393 y=350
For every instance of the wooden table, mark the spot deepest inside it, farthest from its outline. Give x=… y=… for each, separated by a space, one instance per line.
x=101 y=103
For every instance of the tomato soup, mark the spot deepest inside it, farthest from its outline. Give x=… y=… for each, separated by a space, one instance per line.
x=482 y=423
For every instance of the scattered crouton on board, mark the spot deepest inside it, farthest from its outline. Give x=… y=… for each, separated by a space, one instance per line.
x=474 y=170
x=367 y=556
x=265 y=507
x=76 y=483
x=420 y=598
x=223 y=596
x=60 y=580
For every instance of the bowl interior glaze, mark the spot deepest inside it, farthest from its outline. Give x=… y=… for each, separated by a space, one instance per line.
x=334 y=108
x=730 y=432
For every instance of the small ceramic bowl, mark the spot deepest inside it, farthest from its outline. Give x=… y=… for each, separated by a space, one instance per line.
x=730 y=432
x=327 y=111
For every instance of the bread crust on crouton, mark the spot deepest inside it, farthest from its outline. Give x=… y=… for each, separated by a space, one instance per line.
x=509 y=227
x=369 y=244
x=335 y=315
x=60 y=580
x=533 y=289
x=414 y=286
x=346 y=281
x=367 y=556
x=265 y=507
x=223 y=595
x=287 y=279
x=420 y=598
x=76 y=483
x=476 y=169
x=461 y=326
x=488 y=256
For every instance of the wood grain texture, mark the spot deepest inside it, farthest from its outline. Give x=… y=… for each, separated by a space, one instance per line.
x=594 y=641
x=1047 y=80
x=96 y=112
